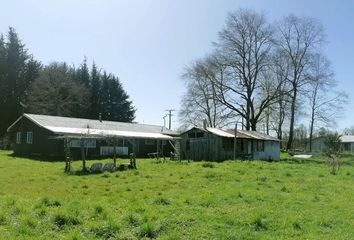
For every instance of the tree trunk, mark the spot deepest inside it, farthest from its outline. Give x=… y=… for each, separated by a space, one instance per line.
x=311 y=126
x=292 y=120
x=254 y=125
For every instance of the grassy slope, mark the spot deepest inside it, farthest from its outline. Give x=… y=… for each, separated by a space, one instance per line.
x=232 y=200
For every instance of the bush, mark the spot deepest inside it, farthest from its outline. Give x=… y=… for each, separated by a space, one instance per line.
x=162 y=201
x=48 y=203
x=149 y=230
x=259 y=224
x=62 y=220
x=208 y=165
x=107 y=230
x=332 y=151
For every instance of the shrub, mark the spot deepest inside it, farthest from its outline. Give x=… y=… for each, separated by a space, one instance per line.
x=297 y=226
x=262 y=178
x=48 y=203
x=61 y=220
x=149 y=230
x=332 y=151
x=162 y=201
x=208 y=165
x=98 y=210
x=2 y=219
x=259 y=224
x=106 y=231
x=133 y=219
x=210 y=175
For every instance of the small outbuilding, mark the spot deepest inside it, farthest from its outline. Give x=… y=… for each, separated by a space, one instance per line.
x=33 y=134
x=347 y=143
x=214 y=144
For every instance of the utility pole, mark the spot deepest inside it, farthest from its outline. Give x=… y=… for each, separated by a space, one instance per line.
x=169 y=114
x=164 y=120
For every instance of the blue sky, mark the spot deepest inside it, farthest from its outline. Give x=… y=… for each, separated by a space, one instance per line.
x=148 y=43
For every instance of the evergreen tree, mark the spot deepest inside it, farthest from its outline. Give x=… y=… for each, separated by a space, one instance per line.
x=17 y=70
x=115 y=103
x=56 y=89
x=123 y=110
x=2 y=71
x=105 y=97
x=83 y=74
x=55 y=93
x=95 y=88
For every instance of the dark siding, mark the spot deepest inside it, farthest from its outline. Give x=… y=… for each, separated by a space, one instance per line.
x=41 y=142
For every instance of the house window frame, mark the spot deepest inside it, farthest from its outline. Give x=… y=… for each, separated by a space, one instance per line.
x=29 y=138
x=18 y=137
x=260 y=146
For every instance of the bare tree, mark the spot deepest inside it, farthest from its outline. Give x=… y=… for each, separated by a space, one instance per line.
x=297 y=39
x=280 y=110
x=200 y=102
x=243 y=50
x=325 y=104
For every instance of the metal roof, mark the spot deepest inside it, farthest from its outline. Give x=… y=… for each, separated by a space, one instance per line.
x=80 y=126
x=220 y=132
x=244 y=134
x=347 y=138
x=258 y=135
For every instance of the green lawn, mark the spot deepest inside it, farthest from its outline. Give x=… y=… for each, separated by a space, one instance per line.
x=290 y=199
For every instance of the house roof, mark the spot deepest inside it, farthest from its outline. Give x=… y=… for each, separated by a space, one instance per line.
x=230 y=133
x=347 y=138
x=80 y=126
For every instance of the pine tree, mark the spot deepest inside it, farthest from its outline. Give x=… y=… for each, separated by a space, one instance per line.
x=17 y=70
x=115 y=104
x=95 y=88
x=54 y=92
x=83 y=74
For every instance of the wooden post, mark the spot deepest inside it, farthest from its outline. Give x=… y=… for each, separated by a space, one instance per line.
x=235 y=139
x=157 y=149
x=84 y=169
x=114 y=151
x=163 y=155
x=67 y=155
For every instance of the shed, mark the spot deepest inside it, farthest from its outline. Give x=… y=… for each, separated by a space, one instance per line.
x=214 y=144
x=347 y=143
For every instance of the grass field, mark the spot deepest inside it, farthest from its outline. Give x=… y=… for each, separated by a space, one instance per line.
x=291 y=199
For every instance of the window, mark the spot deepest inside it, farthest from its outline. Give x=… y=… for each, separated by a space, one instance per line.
x=260 y=146
x=196 y=135
x=149 y=141
x=29 y=137
x=228 y=144
x=18 y=137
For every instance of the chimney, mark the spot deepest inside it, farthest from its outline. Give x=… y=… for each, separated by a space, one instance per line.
x=100 y=117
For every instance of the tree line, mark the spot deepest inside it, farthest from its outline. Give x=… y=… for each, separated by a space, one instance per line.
x=267 y=75
x=60 y=89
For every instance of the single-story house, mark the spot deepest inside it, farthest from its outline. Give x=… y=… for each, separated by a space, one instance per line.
x=33 y=134
x=214 y=144
x=347 y=143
